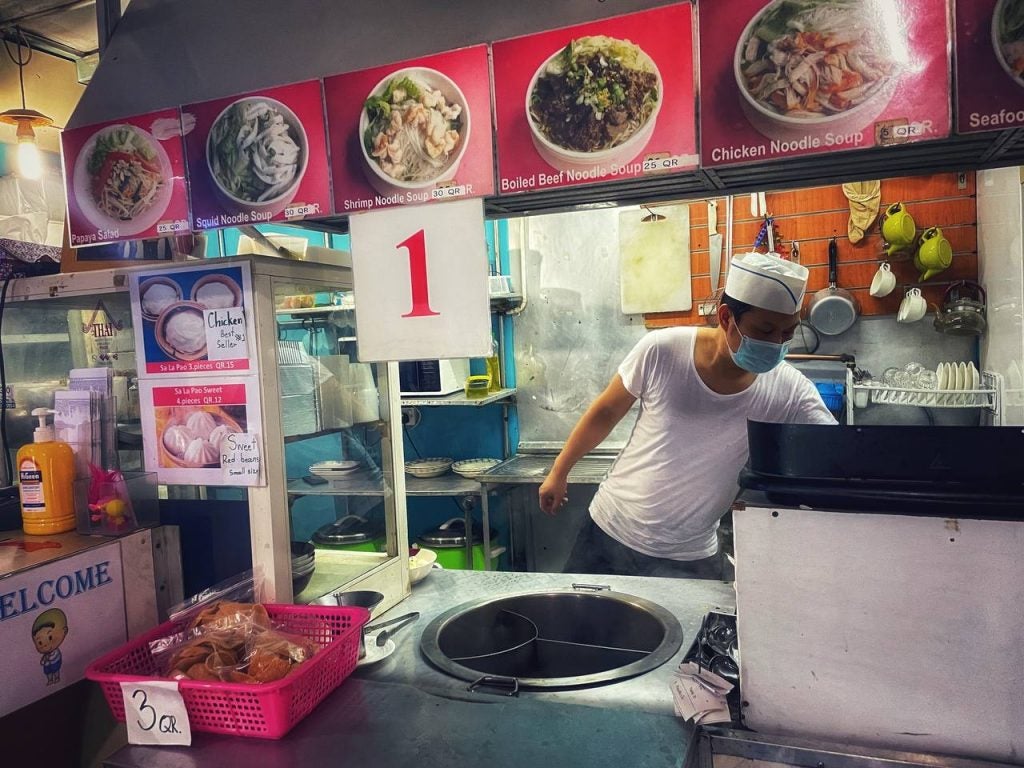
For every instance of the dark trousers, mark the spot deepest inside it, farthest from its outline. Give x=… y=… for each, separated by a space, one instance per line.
x=595 y=552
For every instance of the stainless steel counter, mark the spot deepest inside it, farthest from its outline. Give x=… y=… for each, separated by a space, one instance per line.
x=686 y=599
x=402 y=711
x=533 y=468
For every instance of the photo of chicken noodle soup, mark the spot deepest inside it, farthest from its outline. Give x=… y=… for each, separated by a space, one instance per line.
x=811 y=59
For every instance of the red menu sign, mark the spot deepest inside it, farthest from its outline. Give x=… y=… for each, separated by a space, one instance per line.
x=413 y=132
x=989 y=65
x=803 y=77
x=125 y=179
x=258 y=157
x=611 y=99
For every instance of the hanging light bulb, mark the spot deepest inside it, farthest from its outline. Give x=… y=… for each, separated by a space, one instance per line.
x=30 y=164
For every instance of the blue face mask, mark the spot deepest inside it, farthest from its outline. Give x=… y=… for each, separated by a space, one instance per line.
x=758 y=356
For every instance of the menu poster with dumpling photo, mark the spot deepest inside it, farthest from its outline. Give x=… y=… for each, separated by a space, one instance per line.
x=989 y=65
x=258 y=157
x=788 y=78
x=194 y=320
x=413 y=132
x=601 y=101
x=191 y=426
x=125 y=179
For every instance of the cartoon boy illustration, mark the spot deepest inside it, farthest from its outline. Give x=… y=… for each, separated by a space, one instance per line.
x=48 y=632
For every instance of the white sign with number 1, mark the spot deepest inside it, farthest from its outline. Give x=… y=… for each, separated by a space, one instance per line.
x=155 y=713
x=421 y=282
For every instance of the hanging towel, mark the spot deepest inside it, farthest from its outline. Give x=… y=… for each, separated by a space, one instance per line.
x=864 y=197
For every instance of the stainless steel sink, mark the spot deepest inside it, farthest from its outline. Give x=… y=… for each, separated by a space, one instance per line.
x=564 y=638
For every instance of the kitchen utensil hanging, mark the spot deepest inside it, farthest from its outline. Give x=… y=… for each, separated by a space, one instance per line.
x=832 y=310
x=963 y=310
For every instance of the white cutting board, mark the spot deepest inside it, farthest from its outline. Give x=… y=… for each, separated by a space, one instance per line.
x=654 y=260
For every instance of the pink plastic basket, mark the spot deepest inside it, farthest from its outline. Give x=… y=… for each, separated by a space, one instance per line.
x=267 y=710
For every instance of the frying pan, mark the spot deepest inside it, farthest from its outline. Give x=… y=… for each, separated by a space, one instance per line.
x=832 y=310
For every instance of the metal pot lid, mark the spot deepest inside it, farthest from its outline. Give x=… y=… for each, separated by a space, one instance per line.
x=452 y=533
x=351 y=529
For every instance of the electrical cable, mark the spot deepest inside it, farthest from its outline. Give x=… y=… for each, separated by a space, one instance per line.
x=8 y=466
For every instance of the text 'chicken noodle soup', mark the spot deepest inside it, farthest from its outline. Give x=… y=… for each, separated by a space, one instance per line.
x=594 y=94
x=415 y=126
x=256 y=151
x=811 y=62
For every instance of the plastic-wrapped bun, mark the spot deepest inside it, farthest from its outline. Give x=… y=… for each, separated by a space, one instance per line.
x=201 y=423
x=200 y=454
x=177 y=439
x=219 y=433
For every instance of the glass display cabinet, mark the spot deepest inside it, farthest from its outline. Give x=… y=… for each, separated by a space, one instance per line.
x=329 y=423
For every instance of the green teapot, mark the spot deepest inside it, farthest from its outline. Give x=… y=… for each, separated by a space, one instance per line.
x=934 y=254
x=898 y=228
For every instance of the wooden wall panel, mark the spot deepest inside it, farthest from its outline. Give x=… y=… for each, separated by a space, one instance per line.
x=812 y=216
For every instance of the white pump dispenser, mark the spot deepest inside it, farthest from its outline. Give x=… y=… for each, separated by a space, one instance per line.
x=44 y=432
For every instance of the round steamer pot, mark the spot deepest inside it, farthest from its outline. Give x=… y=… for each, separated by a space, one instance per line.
x=352 y=533
x=832 y=310
x=449 y=542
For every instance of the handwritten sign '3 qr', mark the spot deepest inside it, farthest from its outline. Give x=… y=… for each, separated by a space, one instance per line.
x=155 y=713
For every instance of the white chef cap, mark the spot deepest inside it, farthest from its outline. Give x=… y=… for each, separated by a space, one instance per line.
x=767 y=281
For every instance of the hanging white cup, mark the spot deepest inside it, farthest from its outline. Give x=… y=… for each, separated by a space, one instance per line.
x=884 y=281
x=913 y=307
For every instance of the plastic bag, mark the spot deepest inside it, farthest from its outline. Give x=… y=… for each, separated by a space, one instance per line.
x=244 y=587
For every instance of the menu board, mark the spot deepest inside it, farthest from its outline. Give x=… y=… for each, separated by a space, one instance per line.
x=611 y=99
x=193 y=320
x=410 y=133
x=125 y=179
x=258 y=157
x=191 y=426
x=989 y=65
x=802 y=77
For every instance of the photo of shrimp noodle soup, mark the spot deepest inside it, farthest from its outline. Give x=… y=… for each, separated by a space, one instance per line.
x=124 y=172
x=413 y=131
x=807 y=59
x=254 y=153
x=1010 y=36
x=594 y=94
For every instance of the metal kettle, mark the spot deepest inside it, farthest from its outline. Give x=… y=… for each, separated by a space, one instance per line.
x=963 y=310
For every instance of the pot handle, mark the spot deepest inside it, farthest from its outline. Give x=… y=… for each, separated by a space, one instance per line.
x=965 y=284
x=496 y=684
x=833 y=263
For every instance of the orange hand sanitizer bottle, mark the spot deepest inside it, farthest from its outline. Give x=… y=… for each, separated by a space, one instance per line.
x=46 y=475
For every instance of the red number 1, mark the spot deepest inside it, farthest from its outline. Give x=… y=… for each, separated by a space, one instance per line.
x=418 y=275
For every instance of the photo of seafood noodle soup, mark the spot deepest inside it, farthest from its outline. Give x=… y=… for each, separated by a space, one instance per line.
x=125 y=173
x=595 y=94
x=253 y=152
x=412 y=130
x=810 y=59
x=1010 y=33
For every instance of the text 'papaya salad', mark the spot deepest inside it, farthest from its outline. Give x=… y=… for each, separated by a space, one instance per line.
x=125 y=173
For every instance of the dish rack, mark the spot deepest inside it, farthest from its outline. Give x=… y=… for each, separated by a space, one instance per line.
x=988 y=396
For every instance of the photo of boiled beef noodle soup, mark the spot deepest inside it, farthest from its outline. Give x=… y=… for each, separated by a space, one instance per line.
x=192 y=437
x=594 y=94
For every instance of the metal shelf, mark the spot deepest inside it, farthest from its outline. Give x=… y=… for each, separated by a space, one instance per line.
x=364 y=483
x=458 y=398
x=930 y=398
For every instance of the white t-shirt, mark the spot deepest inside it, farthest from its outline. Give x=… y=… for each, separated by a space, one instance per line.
x=677 y=474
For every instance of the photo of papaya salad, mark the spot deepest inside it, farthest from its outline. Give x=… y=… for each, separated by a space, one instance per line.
x=1008 y=37
x=810 y=62
x=122 y=179
x=413 y=130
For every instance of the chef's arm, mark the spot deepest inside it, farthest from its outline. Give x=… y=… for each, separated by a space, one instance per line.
x=594 y=426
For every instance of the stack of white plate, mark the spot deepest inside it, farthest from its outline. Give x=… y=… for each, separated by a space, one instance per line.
x=430 y=467
x=962 y=377
x=472 y=467
x=334 y=469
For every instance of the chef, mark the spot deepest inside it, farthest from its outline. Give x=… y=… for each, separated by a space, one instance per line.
x=657 y=512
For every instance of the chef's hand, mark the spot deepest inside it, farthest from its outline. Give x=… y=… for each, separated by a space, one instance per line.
x=553 y=494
